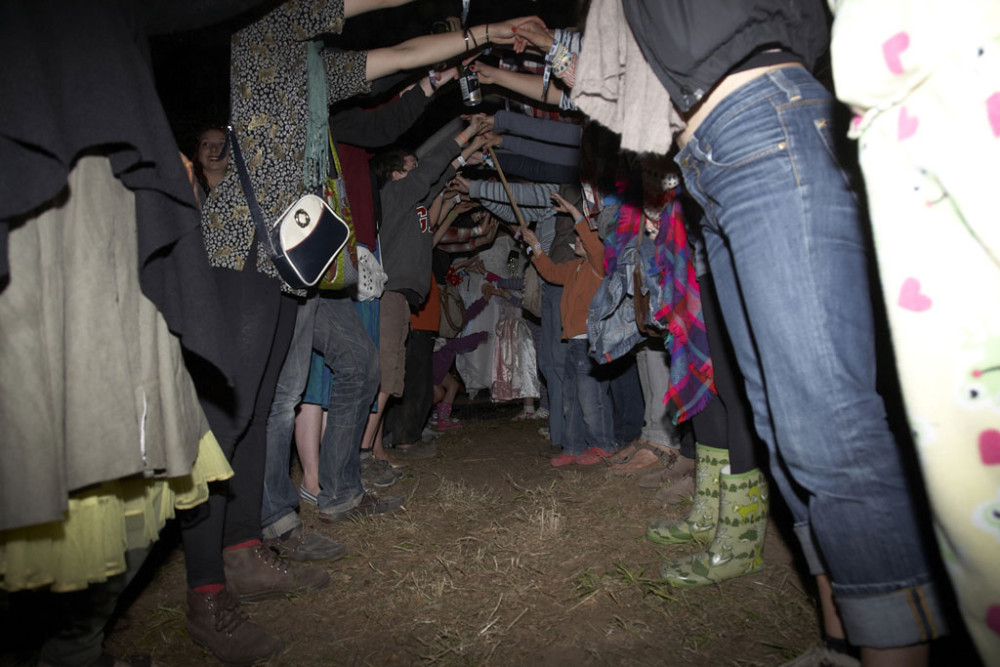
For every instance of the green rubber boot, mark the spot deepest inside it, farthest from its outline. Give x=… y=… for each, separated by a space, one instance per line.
x=738 y=546
x=704 y=513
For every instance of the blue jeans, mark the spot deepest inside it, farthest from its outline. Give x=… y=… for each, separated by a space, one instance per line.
x=333 y=327
x=552 y=360
x=587 y=402
x=786 y=245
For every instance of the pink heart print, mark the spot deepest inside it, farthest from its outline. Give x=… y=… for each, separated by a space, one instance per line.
x=891 y=50
x=907 y=124
x=993 y=113
x=989 y=447
x=993 y=618
x=910 y=297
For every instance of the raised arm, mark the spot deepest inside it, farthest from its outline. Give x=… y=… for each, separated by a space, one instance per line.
x=355 y=7
x=528 y=85
x=429 y=49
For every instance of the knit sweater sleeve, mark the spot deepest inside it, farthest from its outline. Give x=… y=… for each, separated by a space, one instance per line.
x=592 y=242
x=533 y=200
x=557 y=274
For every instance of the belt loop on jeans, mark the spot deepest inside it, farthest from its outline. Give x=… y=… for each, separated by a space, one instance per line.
x=781 y=80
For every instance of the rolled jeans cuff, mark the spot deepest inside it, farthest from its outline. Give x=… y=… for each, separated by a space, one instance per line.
x=340 y=508
x=287 y=523
x=903 y=617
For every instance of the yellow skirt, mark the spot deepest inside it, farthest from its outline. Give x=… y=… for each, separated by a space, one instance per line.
x=101 y=524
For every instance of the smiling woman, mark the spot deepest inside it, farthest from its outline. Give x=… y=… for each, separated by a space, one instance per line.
x=210 y=158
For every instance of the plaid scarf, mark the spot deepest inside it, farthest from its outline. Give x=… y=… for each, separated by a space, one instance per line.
x=691 y=384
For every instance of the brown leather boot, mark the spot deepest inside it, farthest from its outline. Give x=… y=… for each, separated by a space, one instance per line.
x=256 y=573
x=217 y=623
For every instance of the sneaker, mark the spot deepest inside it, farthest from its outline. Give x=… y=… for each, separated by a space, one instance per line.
x=433 y=420
x=544 y=432
x=541 y=413
x=256 y=573
x=303 y=546
x=369 y=505
x=593 y=455
x=564 y=460
x=308 y=497
x=449 y=423
x=378 y=473
x=216 y=622
x=524 y=415
x=429 y=434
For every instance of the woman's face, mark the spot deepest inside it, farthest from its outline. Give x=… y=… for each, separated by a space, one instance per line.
x=210 y=145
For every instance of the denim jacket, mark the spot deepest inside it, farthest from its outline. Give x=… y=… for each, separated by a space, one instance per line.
x=611 y=326
x=651 y=277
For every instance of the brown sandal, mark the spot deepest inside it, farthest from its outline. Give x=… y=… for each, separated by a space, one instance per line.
x=646 y=455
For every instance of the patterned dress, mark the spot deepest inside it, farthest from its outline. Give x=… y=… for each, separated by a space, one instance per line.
x=270 y=112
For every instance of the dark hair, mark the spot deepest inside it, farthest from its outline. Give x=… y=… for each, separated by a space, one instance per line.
x=386 y=162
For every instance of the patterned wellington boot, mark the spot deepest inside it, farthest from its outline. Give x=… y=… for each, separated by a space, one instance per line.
x=704 y=513
x=738 y=546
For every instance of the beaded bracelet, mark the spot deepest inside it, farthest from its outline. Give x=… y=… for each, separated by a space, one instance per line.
x=561 y=61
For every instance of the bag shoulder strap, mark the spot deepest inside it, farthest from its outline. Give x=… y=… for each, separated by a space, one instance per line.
x=247 y=186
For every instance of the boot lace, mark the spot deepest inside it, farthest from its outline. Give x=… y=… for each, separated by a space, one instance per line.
x=228 y=616
x=271 y=559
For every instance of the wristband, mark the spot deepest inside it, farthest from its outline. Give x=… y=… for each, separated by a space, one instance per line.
x=461 y=136
x=458 y=198
x=465 y=36
x=431 y=76
x=580 y=219
x=537 y=247
x=461 y=161
x=487 y=33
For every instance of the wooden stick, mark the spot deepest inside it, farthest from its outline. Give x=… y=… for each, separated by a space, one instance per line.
x=521 y=224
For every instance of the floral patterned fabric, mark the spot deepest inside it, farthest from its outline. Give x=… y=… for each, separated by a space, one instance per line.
x=270 y=112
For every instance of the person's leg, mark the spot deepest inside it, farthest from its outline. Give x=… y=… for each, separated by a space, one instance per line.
x=351 y=355
x=627 y=403
x=552 y=361
x=223 y=555
x=574 y=438
x=308 y=432
x=406 y=416
x=77 y=619
x=594 y=398
x=793 y=234
x=654 y=373
x=731 y=428
x=280 y=499
x=310 y=420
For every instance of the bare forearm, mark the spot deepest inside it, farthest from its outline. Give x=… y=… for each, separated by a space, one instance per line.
x=355 y=7
x=421 y=51
x=528 y=85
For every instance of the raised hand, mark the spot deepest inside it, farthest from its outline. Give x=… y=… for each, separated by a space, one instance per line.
x=559 y=203
x=534 y=33
x=505 y=33
x=529 y=237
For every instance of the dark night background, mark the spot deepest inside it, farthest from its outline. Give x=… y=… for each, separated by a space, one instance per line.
x=192 y=68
